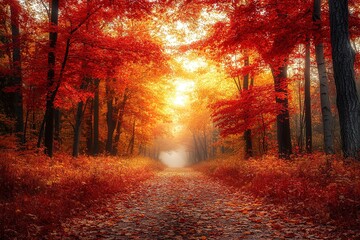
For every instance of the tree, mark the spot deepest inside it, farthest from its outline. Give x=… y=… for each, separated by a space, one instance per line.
x=78 y=122
x=343 y=56
x=308 y=126
x=327 y=118
x=50 y=97
x=17 y=76
x=96 y=118
x=272 y=29
x=247 y=133
x=283 y=117
x=255 y=109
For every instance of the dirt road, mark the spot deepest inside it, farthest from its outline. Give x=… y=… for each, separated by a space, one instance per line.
x=185 y=204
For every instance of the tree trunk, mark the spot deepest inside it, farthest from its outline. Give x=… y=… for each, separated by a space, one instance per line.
x=300 y=136
x=308 y=129
x=119 y=121
x=89 y=132
x=196 y=150
x=77 y=129
x=57 y=126
x=327 y=118
x=42 y=130
x=16 y=68
x=282 y=118
x=109 y=119
x=247 y=133
x=130 y=149
x=49 y=123
x=343 y=57
x=96 y=118
x=205 y=146
x=111 y=126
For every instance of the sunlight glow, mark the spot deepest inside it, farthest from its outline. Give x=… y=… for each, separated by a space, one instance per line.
x=182 y=90
x=193 y=64
x=175 y=158
x=180 y=100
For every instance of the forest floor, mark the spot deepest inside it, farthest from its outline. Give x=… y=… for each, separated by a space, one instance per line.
x=186 y=204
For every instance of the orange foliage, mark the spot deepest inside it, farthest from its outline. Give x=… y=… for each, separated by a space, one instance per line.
x=36 y=193
x=323 y=187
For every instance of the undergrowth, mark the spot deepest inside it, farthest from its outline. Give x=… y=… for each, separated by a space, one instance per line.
x=36 y=192
x=324 y=187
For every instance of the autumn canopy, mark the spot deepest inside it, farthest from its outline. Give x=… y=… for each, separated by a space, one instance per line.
x=140 y=77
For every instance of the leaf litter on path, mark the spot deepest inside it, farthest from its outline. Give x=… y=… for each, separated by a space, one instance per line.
x=185 y=204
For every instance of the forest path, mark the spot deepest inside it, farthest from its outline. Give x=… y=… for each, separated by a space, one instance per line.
x=185 y=204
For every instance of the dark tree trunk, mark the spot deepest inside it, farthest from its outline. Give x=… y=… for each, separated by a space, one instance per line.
x=49 y=114
x=109 y=119
x=16 y=68
x=248 y=144
x=90 y=132
x=300 y=137
x=119 y=121
x=263 y=139
x=247 y=133
x=308 y=129
x=343 y=57
x=111 y=126
x=57 y=126
x=96 y=118
x=27 y=115
x=130 y=149
x=327 y=118
x=282 y=118
x=77 y=129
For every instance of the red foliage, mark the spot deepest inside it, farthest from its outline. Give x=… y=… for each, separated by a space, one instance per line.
x=35 y=195
x=254 y=109
x=317 y=185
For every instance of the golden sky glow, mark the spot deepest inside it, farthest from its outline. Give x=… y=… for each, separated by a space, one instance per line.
x=182 y=90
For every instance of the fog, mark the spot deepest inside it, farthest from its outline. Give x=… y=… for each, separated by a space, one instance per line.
x=176 y=158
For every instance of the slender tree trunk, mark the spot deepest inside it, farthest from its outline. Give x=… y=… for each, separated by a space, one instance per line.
x=57 y=126
x=201 y=147
x=327 y=118
x=109 y=119
x=196 y=150
x=16 y=67
x=283 y=117
x=343 y=57
x=300 y=137
x=247 y=133
x=206 y=154
x=96 y=118
x=264 y=141
x=308 y=128
x=49 y=123
x=90 y=132
x=130 y=149
x=119 y=121
x=111 y=126
x=26 y=124
x=77 y=129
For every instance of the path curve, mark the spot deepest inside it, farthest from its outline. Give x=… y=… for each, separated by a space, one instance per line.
x=185 y=204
